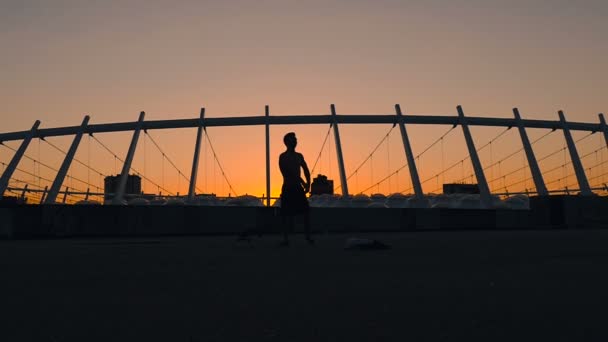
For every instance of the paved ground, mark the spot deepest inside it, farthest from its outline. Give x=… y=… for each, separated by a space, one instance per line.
x=486 y=286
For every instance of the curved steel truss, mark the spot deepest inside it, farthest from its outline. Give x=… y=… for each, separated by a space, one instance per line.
x=330 y=119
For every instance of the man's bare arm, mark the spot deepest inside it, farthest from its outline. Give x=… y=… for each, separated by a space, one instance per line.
x=306 y=174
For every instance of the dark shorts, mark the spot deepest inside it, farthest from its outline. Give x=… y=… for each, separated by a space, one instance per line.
x=293 y=200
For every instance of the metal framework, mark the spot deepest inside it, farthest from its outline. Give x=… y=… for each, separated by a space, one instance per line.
x=333 y=119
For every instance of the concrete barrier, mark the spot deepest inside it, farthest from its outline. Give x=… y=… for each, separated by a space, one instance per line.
x=32 y=221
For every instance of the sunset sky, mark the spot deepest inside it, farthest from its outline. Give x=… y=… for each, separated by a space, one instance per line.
x=112 y=59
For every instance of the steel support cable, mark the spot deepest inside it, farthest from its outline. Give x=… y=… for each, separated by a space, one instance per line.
x=385 y=178
x=515 y=183
x=107 y=148
x=541 y=137
x=552 y=154
x=218 y=163
x=75 y=159
x=587 y=169
x=515 y=153
x=132 y=169
x=312 y=171
x=463 y=159
x=48 y=167
x=446 y=170
x=557 y=180
x=598 y=176
x=42 y=178
x=166 y=156
x=525 y=166
x=403 y=166
x=435 y=142
x=153 y=183
x=372 y=153
x=570 y=162
x=493 y=139
x=34 y=175
x=180 y=173
x=78 y=161
x=570 y=186
x=17 y=180
x=566 y=163
x=584 y=137
x=417 y=157
x=555 y=168
x=503 y=160
x=590 y=153
x=510 y=173
x=32 y=159
x=564 y=177
x=489 y=143
x=440 y=139
x=369 y=157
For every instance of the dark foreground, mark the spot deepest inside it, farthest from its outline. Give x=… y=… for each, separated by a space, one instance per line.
x=486 y=286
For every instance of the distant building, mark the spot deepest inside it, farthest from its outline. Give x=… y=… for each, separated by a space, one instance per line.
x=322 y=185
x=111 y=183
x=457 y=188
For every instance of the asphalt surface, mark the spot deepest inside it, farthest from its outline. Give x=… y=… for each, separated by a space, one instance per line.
x=430 y=286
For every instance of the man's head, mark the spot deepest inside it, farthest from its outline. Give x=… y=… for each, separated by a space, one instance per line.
x=290 y=140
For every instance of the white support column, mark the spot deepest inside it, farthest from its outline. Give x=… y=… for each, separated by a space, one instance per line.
x=23 y=193
x=583 y=184
x=604 y=127
x=484 y=190
x=195 y=160
x=122 y=182
x=338 y=144
x=539 y=183
x=409 y=155
x=65 y=194
x=12 y=166
x=267 y=112
x=46 y=188
x=65 y=166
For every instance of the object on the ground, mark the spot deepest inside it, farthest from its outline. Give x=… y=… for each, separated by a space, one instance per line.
x=364 y=244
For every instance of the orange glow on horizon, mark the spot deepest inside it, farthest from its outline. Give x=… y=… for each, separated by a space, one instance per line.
x=234 y=57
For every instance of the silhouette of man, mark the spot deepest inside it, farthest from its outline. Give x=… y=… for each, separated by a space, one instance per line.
x=293 y=192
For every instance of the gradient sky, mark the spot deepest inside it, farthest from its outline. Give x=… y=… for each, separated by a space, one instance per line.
x=111 y=59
